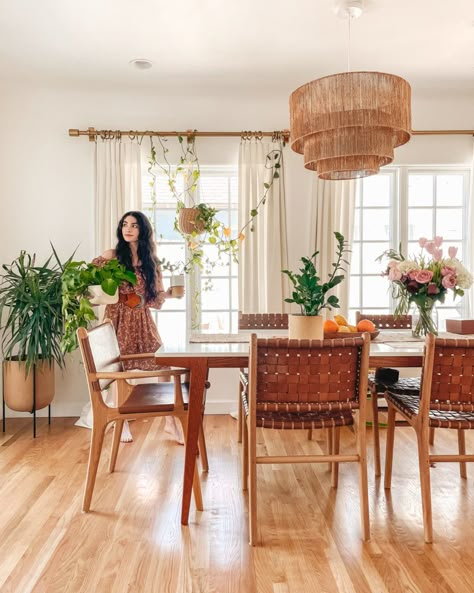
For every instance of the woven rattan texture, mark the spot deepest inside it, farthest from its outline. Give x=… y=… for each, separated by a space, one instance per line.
x=410 y=405
x=386 y=321
x=263 y=321
x=318 y=376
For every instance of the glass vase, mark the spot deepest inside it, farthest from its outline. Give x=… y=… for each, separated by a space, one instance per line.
x=424 y=319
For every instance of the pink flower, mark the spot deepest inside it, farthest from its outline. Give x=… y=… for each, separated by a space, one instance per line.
x=430 y=247
x=394 y=274
x=412 y=274
x=452 y=251
x=447 y=271
x=422 y=241
x=392 y=263
x=449 y=281
x=437 y=254
x=432 y=288
x=438 y=241
x=423 y=276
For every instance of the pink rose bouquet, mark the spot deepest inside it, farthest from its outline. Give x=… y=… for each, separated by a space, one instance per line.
x=425 y=279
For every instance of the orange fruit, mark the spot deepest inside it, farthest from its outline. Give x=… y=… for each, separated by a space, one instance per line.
x=343 y=329
x=330 y=326
x=340 y=320
x=365 y=325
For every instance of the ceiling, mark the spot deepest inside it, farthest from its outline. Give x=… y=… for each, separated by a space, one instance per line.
x=214 y=46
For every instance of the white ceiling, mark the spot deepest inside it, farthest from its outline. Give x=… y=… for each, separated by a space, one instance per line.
x=215 y=46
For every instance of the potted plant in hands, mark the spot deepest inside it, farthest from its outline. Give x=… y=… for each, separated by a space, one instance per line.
x=84 y=285
x=311 y=294
x=30 y=306
x=177 y=282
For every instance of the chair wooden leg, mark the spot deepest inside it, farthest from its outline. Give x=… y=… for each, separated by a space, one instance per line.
x=361 y=436
x=115 y=444
x=389 y=446
x=196 y=481
x=97 y=440
x=245 y=454
x=310 y=434
x=375 y=432
x=239 y=414
x=462 y=451
x=425 y=482
x=336 y=434
x=203 y=449
x=252 y=485
x=329 y=442
x=432 y=436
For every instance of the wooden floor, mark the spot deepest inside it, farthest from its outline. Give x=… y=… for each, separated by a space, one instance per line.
x=133 y=542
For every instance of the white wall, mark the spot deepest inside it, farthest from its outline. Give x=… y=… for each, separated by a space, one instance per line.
x=46 y=176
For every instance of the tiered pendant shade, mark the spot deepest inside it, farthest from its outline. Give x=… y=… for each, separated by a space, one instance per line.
x=347 y=125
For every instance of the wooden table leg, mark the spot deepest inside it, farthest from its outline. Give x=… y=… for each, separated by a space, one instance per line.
x=198 y=368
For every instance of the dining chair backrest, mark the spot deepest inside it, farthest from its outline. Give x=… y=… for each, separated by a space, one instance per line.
x=386 y=321
x=263 y=320
x=101 y=353
x=448 y=374
x=298 y=375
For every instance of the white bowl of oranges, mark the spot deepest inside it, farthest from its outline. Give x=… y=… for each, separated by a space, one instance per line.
x=339 y=326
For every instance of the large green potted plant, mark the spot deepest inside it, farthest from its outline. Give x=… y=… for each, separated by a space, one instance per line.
x=311 y=293
x=30 y=310
x=84 y=285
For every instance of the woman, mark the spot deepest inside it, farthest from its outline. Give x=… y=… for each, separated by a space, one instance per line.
x=136 y=331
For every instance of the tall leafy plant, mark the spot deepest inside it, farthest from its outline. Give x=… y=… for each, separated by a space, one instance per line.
x=309 y=292
x=30 y=307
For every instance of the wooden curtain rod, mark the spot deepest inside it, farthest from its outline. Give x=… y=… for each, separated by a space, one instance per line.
x=93 y=133
x=285 y=134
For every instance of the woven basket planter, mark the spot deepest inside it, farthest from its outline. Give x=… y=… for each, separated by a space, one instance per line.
x=188 y=223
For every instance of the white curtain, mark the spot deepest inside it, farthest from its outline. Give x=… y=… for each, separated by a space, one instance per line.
x=333 y=208
x=263 y=252
x=470 y=239
x=118 y=188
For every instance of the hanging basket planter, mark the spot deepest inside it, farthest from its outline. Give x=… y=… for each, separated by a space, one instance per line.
x=189 y=221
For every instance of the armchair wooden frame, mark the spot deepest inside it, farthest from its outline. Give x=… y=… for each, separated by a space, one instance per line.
x=103 y=366
x=446 y=401
x=303 y=385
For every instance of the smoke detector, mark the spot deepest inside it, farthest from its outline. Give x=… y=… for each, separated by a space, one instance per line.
x=141 y=64
x=351 y=9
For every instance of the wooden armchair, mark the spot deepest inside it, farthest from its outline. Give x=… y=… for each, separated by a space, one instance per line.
x=305 y=385
x=103 y=365
x=447 y=401
x=256 y=321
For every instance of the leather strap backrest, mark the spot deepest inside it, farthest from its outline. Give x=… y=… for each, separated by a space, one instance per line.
x=263 y=320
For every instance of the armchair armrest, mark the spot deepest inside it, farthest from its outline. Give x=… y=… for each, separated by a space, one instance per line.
x=141 y=374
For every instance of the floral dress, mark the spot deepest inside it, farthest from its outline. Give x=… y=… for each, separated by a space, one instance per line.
x=136 y=331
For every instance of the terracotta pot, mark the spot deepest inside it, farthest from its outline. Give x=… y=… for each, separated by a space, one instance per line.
x=305 y=327
x=98 y=297
x=177 y=286
x=18 y=387
x=188 y=223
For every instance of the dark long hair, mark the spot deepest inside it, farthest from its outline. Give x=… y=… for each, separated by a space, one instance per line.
x=146 y=252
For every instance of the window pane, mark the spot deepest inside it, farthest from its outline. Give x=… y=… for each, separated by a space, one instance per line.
x=216 y=322
x=355 y=258
x=376 y=190
x=420 y=224
x=164 y=225
x=376 y=223
x=420 y=190
x=171 y=253
x=370 y=252
x=354 y=292
x=449 y=190
x=220 y=264
x=357 y=216
x=170 y=325
x=449 y=223
x=218 y=297
x=375 y=291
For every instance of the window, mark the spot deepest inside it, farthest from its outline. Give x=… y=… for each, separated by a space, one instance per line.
x=211 y=294
x=402 y=205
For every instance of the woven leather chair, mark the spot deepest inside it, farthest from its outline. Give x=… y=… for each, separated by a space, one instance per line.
x=377 y=387
x=306 y=385
x=447 y=401
x=103 y=365
x=256 y=321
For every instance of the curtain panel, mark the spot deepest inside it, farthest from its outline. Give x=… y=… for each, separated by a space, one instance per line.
x=263 y=252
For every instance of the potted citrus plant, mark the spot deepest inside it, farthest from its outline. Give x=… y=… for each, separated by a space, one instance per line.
x=30 y=308
x=84 y=285
x=311 y=294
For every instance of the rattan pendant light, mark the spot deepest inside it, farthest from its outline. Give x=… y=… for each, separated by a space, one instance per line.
x=347 y=125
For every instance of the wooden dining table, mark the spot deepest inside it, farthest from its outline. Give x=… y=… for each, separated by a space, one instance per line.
x=199 y=357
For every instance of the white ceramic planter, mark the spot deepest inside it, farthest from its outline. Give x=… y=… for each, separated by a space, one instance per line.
x=177 y=286
x=98 y=297
x=305 y=327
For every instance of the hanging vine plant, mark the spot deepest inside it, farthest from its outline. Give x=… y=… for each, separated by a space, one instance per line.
x=197 y=222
